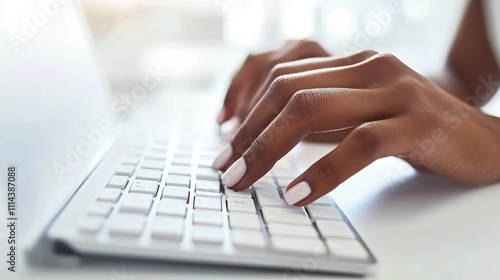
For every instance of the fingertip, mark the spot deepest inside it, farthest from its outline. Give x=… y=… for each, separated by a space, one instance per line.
x=229 y=129
x=297 y=193
x=223 y=157
x=221 y=116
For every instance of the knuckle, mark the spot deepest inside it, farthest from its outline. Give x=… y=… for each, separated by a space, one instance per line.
x=242 y=139
x=258 y=149
x=409 y=90
x=279 y=87
x=307 y=43
x=278 y=70
x=385 y=60
x=367 y=53
x=304 y=104
x=330 y=171
x=367 y=136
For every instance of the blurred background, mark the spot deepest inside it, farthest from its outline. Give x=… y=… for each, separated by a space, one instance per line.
x=198 y=40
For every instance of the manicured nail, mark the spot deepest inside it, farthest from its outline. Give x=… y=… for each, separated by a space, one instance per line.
x=232 y=132
x=221 y=116
x=223 y=157
x=234 y=173
x=297 y=193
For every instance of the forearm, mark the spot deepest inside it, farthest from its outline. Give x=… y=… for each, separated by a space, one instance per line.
x=471 y=71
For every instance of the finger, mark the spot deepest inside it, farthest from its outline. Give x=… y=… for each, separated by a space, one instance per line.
x=281 y=90
x=262 y=64
x=308 y=111
x=362 y=146
x=240 y=85
x=298 y=66
x=329 y=137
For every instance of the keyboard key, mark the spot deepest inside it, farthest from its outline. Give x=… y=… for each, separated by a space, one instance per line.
x=202 y=162
x=248 y=239
x=167 y=227
x=131 y=159
x=207 y=234
x=149 y=174
x=292 y=230
x=346 y=248
x=125 y=170
x=283 y=182
x=244 y=193
x=209 y=203
x=145 y=186
x=158 y=155
x=285 y=215
x=264 y=183
x=101 y=208
x=324 y=212
x=110 y=194
x=91 y=225
x=185 y=161
x=172 y=207
x=208 y=153
x=269 y=197
x=330 y=228
x=298 y=245
x=324 y=201
x=176 y=192
x=204 y=173
x=139 y=203
x=127 y=224
x=153 y=164
x=240 y=204
x=177 y=180
x=118 y=181
x=208 y=186
x=136 y=151
x=180 y=170
x=244 y=221
x=158 y=147
x=283 y=172
x=207 y=217
x=183 y=153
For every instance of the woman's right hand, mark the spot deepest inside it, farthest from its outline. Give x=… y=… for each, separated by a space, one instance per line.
x=258 y=70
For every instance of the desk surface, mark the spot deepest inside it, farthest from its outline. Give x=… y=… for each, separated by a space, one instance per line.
x=419 y=226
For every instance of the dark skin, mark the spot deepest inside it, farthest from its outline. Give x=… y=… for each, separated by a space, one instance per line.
x=372 y=104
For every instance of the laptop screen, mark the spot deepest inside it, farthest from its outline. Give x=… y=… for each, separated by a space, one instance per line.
x=55 y=114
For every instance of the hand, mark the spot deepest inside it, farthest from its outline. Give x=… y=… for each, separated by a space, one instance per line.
x=388 y=110
x=244 y=91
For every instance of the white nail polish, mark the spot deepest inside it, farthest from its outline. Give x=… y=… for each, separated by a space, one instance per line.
x=231 y=130
x=297 y=193
x=223 y=157
x=234 y=173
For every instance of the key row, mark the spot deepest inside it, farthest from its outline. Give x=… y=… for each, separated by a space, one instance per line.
x=172 y=228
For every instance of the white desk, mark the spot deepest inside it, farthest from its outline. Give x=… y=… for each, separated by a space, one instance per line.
x=418 y=226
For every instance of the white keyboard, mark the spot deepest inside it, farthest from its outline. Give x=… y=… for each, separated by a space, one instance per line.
x=166 y=195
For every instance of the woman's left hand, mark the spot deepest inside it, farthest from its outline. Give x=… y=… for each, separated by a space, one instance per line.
x=388 y=110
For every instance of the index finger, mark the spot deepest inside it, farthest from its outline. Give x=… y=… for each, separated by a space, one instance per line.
x=308 y=111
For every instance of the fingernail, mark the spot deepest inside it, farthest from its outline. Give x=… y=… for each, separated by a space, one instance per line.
x=297 y=193
x=220 y=116
x=230 y=135
x=234 y=173
x=223 y=157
